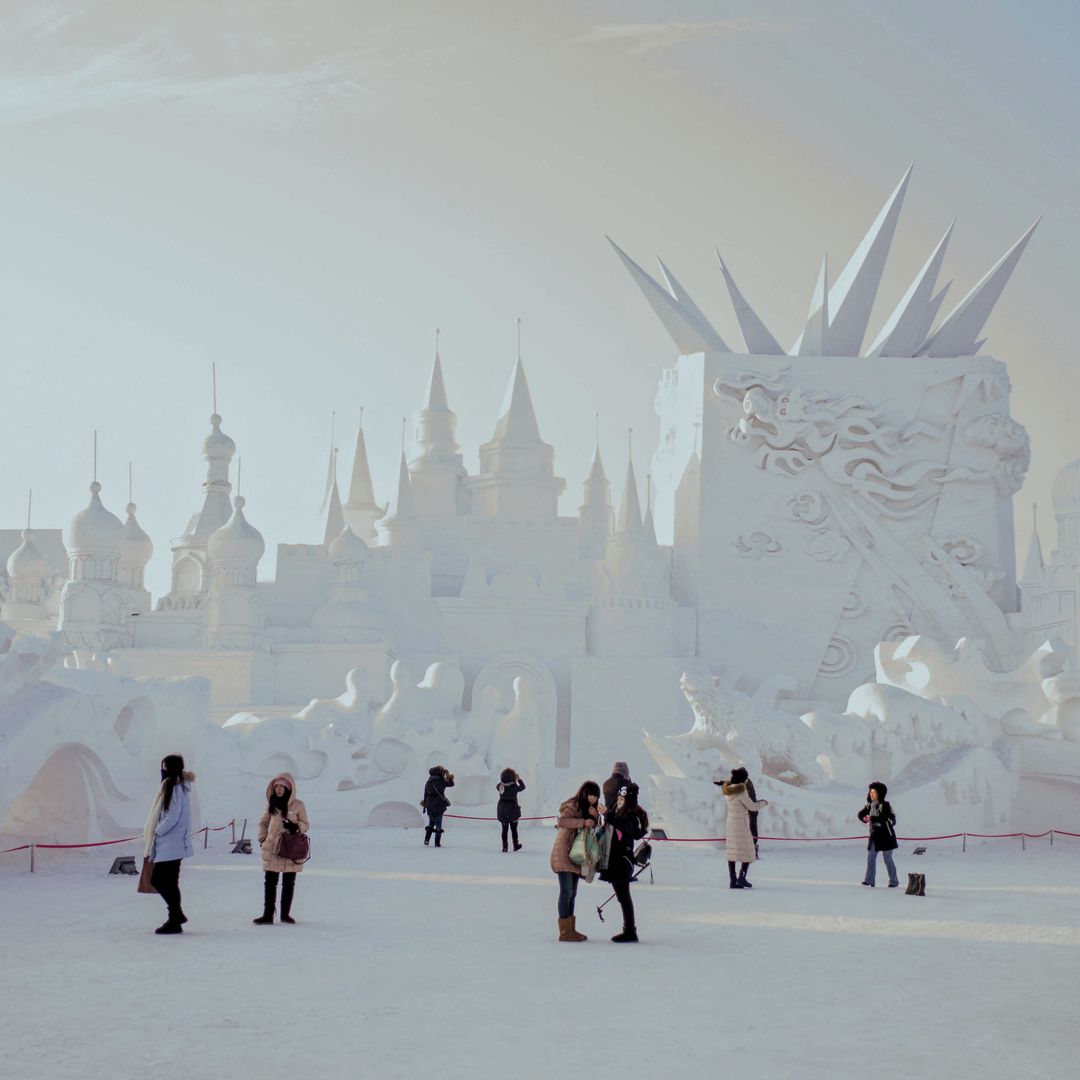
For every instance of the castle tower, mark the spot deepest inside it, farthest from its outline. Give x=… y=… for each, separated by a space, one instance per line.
x=135 y=552
x=24 y=608
x=362 y=511
x=436 y=472
x=517 y=480
x=350 y=614
x=595 y=514
x=234 y=609
x=398 y=527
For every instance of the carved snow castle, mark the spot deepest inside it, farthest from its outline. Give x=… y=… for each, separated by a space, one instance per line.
x=810 y=510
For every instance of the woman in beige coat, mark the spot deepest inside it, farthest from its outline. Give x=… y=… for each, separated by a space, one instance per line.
x=740 y=840
x=580 y=812
x=284 y=813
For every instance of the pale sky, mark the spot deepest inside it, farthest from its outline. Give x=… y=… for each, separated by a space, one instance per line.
x=302 y=191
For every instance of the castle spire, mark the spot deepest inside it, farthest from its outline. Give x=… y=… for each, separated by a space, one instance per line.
x=595 y=517
x=1033 y=564
x=335 y=515
x=362 y=511
x=517 y=423
x=629 y=520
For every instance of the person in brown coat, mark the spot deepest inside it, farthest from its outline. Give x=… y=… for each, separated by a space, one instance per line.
x=284 y=813
x=739 y=838
x=579 y=812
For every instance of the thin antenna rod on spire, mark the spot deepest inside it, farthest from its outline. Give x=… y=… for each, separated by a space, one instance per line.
x=29 y=506
x=1034 y=517
x=131 y=497
x=361 y=415
x=519 y=336
x=436 y=342
x=333 y=416
x=596 y=418
x=95 y=455
x=404 y=421
x=213 y=379
x=630 y=441
x=239 y=470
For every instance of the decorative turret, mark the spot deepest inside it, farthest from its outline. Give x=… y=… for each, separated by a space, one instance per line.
x=335 y=515
x=634 y=567
x=350 y=613
x=436 y=467
x=397 y=526
x=26 y=573
x=362 y=511
x=517 y=479
x=135 y=552
x=234 y=610
x=595 y=521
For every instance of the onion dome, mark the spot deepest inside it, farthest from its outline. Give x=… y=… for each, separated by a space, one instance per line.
x=94 y=530
x=348 y=547
x=1065 y=494
x=137 y=546
x=26 y=561
x=236 y=541
x=217 y=445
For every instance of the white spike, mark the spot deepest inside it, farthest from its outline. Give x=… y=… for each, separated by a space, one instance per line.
x=957 y=335
x=686 y=331
x=904 y=331
x=815 y=337
x=755 y=334
x=684 y=298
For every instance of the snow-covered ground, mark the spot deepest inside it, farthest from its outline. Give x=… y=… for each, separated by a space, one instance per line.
x=436 y=964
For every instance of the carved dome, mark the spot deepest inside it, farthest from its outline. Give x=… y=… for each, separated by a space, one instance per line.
x=137 y=546
x=218 y=445
x=95 y=531
x=1065 y=494
x=26 y=560
x=237 y=541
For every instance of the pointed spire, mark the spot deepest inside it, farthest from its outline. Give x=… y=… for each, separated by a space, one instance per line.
x=436 y=393
x=648 y=525
x=335 y=515
x=629 y=519
x=905 y=329
x=851 y=298
x=596 y=470
x=361 y=490
x=755 y=334
x=682 y=297
x=402 y=507
x=957 y=335
x=331 y=478
x=687 y=331
x=518 y=420
x=1033 y=564
x=815 y=339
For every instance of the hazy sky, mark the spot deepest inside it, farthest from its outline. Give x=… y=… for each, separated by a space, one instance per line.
x=303 y=191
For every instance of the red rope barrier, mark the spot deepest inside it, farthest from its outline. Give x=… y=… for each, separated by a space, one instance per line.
x=123 y=840
x=465 y=817
x=21 y=847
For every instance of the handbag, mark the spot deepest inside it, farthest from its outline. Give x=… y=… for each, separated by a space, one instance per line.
x=144 y=876
x=577 y=848
x=294 y=847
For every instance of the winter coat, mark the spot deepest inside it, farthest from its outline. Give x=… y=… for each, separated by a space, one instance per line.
x=740 y=841
x=172 y=833
x=435 y=800
x=882 y=826
x=508 y=808
x=568 y=824
x=628 y=830
x=271 y=827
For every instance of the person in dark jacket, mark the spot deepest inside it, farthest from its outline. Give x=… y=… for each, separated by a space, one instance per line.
x=435 y=802
x=878 y=814
x=619 y=778
x=508 y=810
x=629 y=823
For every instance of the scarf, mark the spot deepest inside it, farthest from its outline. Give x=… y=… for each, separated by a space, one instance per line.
x=151 y=822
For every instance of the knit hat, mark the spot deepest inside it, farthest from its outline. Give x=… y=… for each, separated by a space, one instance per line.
x=739 y=775
x=620 y=768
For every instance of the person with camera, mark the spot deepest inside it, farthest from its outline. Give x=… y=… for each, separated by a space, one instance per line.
x=629 y=823
x=739 y=839
x=508 y=809
x=435 y=803
x=284 y=813
x=578 y=812
x=878 y=814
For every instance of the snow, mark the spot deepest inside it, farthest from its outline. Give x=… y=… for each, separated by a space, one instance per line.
x=436 y=964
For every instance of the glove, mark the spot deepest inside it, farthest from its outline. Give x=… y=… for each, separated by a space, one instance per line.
x=291 y=826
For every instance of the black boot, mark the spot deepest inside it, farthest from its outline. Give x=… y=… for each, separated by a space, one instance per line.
x=735 y=883
x=506 y=846
x=438 y=837
x=269 y=896
x=427 y=835
x=513 y=833
x=288 y=884
x=629 y=933
x=743 y=883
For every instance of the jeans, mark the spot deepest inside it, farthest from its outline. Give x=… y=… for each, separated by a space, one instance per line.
x=568 y=884
x=435 y=821
x=165 y=877
x=871 y=865
x=512 y=826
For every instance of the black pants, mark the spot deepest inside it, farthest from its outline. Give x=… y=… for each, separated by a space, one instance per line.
x=626 y=902
x=512 y=826
x=165 y=877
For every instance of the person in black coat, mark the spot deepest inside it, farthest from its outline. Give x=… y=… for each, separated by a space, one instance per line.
x=629 y=823
x=435 y=802
x=508 y=809
x=619 y=778
x=878 y=814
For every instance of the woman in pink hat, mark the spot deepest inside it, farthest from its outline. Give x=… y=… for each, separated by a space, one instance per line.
x=284 y=813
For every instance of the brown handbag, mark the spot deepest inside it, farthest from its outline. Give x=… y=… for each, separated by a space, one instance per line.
x=144 y=877
x=294 y=847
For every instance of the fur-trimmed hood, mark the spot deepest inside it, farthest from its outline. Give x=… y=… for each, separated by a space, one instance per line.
x=282 y=778
x=731 y=790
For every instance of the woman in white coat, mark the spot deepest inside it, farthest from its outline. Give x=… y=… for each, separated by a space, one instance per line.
x=740 y=839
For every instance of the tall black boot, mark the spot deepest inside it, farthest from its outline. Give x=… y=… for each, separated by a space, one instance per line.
x=427 y=835
x=438 y=837
x=735 y=883
x=743 y=883
x=269 y=896
x=505 y=829
x=513 y=833
x=288 y=884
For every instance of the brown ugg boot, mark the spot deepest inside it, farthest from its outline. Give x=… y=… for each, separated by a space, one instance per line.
x=567 y=931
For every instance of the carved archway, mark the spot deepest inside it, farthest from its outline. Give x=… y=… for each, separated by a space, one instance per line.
x=500 y=673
